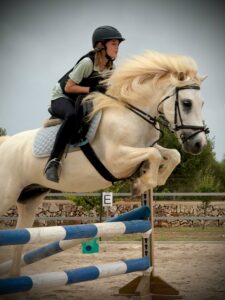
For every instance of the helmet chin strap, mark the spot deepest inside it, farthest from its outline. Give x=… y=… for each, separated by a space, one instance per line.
x=109 y=58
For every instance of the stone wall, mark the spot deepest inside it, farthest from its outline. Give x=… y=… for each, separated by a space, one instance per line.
x=58 y=209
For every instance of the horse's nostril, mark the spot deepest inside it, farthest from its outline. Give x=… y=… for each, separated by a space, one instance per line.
x=197 y=148
x=198 y=145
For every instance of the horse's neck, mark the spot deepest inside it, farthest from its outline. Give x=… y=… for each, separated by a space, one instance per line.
x=127 y=127
x=149 y=100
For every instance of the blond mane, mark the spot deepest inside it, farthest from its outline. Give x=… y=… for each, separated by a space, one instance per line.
x=127 y=82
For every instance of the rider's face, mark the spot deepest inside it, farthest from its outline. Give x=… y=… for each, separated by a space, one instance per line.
x=112 y=47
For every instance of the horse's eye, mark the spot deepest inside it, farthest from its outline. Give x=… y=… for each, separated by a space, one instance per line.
x=187 y=104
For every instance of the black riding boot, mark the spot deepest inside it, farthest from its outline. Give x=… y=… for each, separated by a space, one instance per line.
x=63 y=137
x=52 y=170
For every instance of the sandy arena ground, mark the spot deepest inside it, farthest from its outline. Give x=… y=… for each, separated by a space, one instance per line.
x=197 y=270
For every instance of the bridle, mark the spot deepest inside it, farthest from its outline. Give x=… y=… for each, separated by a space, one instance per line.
x=178 y=117
x=162 y=119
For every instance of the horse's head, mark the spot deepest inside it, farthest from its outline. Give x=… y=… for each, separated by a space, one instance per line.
x=183 y=110
x=141 y=83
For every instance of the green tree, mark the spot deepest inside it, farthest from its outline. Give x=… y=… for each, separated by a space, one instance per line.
x=90 y=202
x=191 y=172
x=2 y=131
x=220 y=174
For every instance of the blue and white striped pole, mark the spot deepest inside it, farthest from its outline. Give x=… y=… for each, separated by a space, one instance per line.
x=45 y=234
x=141 y=213
x=55 y=279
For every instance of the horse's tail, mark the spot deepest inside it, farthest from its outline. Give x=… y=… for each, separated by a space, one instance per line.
x=3 y=138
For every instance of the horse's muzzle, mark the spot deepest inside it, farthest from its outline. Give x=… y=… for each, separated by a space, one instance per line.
x=193 y=141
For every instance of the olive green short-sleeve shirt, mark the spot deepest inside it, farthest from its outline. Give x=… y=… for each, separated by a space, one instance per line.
x=82 y=70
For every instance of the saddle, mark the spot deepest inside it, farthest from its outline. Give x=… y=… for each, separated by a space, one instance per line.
x=82 y=110
x=45 y=137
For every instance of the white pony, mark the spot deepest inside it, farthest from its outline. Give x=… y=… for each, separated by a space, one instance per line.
x=140 y=90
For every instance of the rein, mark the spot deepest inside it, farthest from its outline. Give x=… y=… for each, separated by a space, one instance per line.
x=146 y=117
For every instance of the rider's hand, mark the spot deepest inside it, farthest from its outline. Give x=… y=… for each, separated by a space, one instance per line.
x=98 y=88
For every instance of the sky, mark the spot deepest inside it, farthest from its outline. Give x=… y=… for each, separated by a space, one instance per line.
x=41 y=40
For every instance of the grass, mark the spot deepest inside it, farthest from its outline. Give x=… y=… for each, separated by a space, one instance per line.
x=180 y=234
x=190 y=234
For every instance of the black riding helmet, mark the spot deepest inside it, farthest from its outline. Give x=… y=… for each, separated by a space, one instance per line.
x=105 y=33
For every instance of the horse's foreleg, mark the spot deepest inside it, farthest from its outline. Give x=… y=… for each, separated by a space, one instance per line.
x=170 y=159
x=128 y=158
x=26 y=216
x=9 y=191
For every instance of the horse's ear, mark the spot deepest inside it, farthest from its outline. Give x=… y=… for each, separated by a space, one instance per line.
x=204 y=77
x=181 y=76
